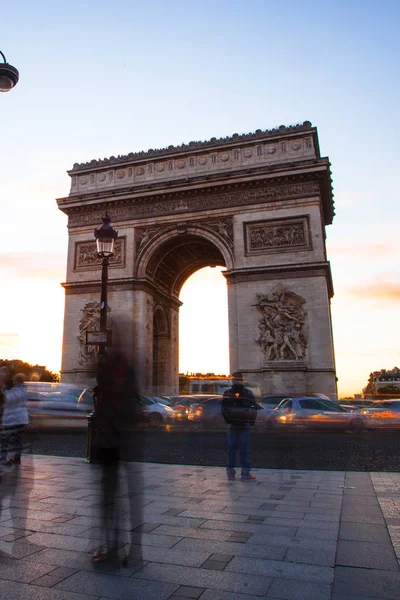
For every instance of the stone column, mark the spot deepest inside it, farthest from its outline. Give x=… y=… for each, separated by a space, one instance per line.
x=173 y=371
x=143 y=340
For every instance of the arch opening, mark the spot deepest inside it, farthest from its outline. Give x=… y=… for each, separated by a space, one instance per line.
x=178 y=258
x=203 y=324
x=169 y=267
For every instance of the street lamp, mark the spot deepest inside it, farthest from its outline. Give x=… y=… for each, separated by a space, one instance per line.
x=8 y=75
x=105 y=237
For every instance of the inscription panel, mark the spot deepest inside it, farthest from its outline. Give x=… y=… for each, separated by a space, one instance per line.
x=283 y=235
x=86 y=258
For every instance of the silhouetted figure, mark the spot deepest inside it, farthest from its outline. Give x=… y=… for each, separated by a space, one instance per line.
x=239 y=411
x=13 y=487
x=117 y=416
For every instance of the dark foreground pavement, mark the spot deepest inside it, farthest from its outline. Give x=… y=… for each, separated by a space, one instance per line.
x=291 y=535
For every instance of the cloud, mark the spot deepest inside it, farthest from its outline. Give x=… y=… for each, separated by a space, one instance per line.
x=366 y=250
x=381 y=290
x=33 y=265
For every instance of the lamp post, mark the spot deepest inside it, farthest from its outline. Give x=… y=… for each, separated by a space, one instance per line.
x=105 y=237
x=8 y=75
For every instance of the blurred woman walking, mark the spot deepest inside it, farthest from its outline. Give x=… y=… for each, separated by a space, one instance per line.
x=14 y=419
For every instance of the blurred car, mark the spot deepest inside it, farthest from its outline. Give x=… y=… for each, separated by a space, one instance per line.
x=206 y=414
x=156 y=412
x=55 y=405
x=350 y=407
x=86 y=399
x=275 y=400
x=315 y=413
x=181 y=404
x=385 y=413
x=272 y=401
x=153 y=410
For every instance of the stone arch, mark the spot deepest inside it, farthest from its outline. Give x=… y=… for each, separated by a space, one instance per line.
x=257 y=204
x=164 y=262
x=171 y=256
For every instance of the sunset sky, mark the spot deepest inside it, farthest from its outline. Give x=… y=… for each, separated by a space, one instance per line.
x=98 y=80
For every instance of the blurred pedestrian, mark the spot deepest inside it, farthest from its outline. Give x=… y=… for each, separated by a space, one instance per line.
x=116 y=402
x=14 y=419
x=239 y=410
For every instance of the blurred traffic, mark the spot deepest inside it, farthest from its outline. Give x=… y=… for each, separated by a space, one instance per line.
x=67 y=406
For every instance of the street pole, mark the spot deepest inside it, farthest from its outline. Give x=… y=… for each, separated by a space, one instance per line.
x=103 y=301
x=105 y=237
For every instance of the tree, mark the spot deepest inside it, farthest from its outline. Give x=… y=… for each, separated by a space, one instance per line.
x=31 y=372
x=183 y=380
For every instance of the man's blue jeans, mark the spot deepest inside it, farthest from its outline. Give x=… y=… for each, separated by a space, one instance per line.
x=238 y=437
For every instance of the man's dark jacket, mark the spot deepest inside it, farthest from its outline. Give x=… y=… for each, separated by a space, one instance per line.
x=238 y=406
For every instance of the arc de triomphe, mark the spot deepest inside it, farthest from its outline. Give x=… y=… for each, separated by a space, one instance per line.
x=257 y=204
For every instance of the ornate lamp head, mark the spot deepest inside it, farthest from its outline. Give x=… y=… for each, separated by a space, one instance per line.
x=105 y=237
x=8 y=76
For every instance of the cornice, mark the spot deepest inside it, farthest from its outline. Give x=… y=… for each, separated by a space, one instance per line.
x=187 y=183
x=259 y=134
x=314 y=182
x=205 y=200
x=122 y=284
x=287 y=271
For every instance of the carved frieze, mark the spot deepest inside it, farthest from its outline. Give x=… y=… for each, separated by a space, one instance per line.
x=223 y=227
x=86 y=255
x=89 y=321
x=263 y=237
x=201 y=201
x=282 y=325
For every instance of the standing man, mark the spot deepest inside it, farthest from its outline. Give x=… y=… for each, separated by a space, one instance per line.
x=239 y=410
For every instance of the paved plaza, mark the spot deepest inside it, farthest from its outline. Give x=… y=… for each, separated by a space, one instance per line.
x=291 y=535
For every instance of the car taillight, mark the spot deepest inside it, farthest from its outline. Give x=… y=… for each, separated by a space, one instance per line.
x=180 y=407
x=199 y=409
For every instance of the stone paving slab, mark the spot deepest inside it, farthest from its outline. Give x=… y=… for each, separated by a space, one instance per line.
x=113 y=586
x=290 y=535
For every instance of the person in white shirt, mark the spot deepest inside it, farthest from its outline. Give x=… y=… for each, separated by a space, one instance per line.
x=14 y=418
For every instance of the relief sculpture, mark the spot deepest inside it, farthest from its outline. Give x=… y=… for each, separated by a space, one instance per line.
x=90 y=321
x=201 y=201
x=86 y=255
x=224 y=227
x=282 y=325
x=146 y=235
x=275 y=236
